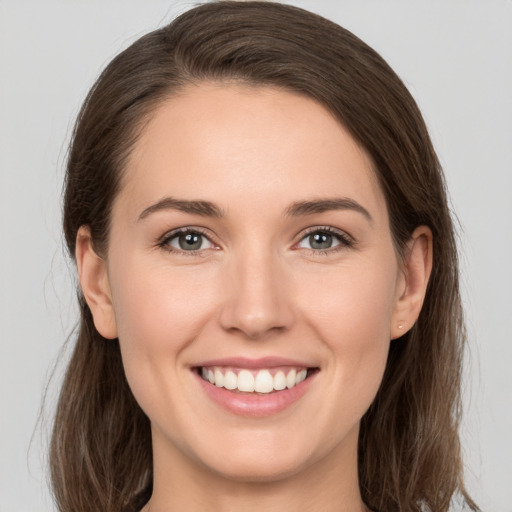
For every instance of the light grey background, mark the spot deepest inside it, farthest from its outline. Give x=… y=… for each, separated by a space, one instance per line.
x=456 y=58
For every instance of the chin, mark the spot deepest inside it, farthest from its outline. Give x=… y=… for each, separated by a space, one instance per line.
x=265 y=459
x=256 y=471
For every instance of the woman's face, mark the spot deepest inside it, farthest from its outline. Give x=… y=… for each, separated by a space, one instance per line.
x=250 y=245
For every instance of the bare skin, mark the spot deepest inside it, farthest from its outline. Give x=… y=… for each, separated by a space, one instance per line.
x=292 y=257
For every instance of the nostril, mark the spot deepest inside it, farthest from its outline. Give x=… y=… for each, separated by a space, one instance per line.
x=256 y=307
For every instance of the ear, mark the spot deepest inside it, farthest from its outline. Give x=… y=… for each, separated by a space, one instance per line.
x=92 y=273
x=413 y=283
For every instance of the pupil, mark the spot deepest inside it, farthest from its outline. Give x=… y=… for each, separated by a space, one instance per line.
x=320 y=241
x=190 y=241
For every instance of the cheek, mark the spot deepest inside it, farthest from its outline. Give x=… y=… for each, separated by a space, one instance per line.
x=352 y=313
x=159 y=312
x=157 y=306
x=352 y=302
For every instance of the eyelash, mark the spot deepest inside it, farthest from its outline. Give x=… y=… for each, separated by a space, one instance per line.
x=164 y=242
x=345 y=240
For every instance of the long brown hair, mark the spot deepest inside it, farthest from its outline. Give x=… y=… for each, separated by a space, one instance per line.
x=409 y=449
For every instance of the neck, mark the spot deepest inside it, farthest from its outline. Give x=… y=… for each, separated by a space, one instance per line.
x=328 y=485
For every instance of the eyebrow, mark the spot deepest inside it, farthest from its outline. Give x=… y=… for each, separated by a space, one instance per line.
x=297 y=209
x=324 y=205
x=203 y=208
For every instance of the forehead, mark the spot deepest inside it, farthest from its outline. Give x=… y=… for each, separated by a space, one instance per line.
x=238 y=142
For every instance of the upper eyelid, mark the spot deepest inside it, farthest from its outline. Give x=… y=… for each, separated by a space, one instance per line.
x=346 y=241
x=328 y=229
x=164 y=242
x=186 y=229
x=322 y=228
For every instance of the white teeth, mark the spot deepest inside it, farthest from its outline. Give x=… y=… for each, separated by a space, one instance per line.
x=279 y=381
x=245 y=381
x=300 y=376
x=230 y=380
x=219 y=378
x=248 y=381
x=290 y=379
x=264 y=382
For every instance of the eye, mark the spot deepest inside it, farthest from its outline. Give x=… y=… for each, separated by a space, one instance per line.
x=324 y=239
x=187 y=240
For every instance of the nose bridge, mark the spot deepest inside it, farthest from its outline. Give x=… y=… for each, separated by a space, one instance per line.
x=257 y=297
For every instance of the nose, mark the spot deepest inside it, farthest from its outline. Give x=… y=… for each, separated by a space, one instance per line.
x=258 y=298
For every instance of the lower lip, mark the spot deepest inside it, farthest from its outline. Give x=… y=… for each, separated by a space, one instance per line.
x=252 y=404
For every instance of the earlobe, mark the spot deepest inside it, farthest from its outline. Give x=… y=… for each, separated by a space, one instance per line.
x=92 y=273
x=416 y=273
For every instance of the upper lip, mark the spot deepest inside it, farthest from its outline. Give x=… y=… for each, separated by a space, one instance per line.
x=263 y=362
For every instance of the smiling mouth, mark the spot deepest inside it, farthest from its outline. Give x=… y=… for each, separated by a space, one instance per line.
x=257 y=381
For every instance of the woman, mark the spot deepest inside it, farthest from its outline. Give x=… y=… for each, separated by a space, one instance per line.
x=270 y=314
